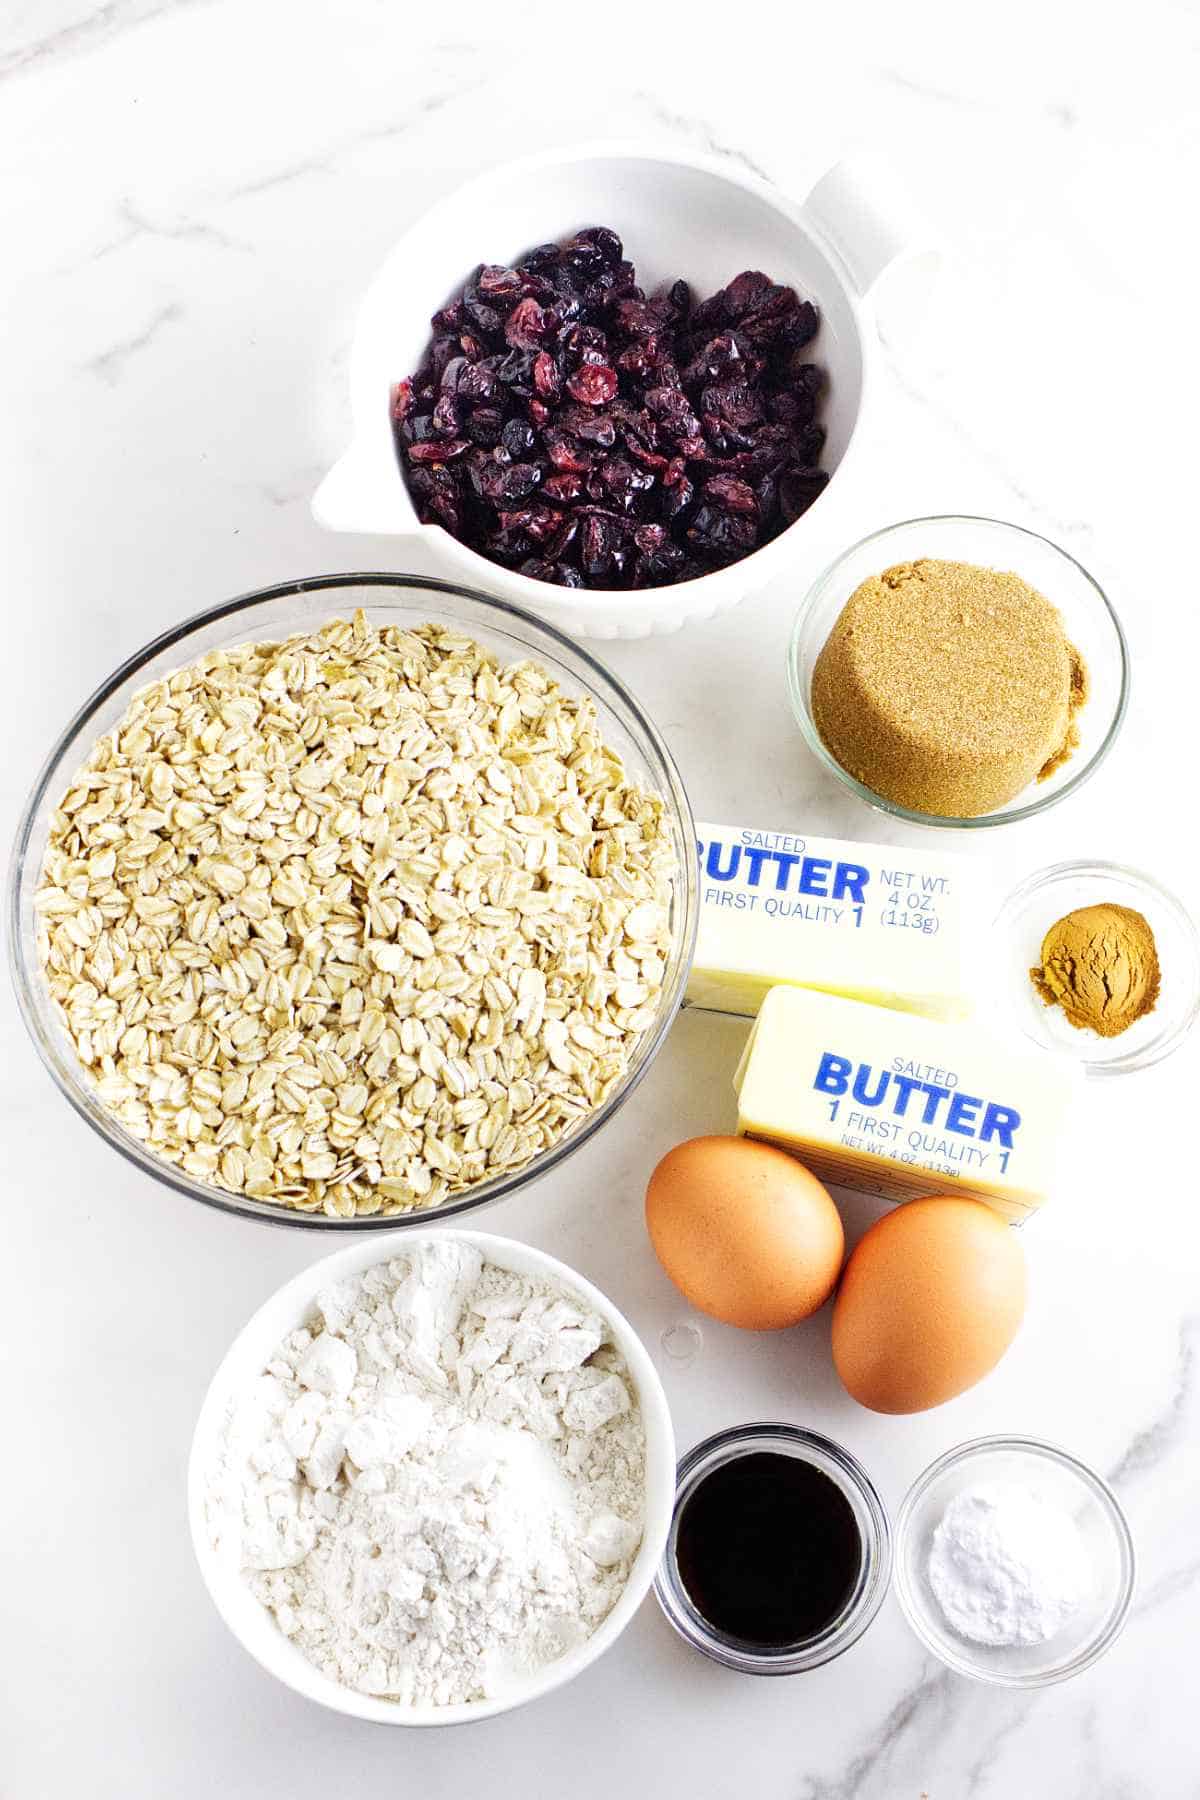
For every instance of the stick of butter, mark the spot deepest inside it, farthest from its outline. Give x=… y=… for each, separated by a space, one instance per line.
x=901 y=1106
x=894 y=927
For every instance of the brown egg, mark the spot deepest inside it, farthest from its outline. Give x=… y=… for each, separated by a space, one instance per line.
x=744 y=1231
x=930 y=1300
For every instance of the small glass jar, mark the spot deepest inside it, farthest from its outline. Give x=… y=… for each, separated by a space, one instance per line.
x=870 y=1586
x=1030 y=1465
x=1088 y=618
x=1047 y=896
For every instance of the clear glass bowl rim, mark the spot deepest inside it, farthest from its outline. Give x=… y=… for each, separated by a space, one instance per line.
x=520 y=623
x=1100 y=1491
x=849 y=1626
x=1090 y=868
x=1010 y=815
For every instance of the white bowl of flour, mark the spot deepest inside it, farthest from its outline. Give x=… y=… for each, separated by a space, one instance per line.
x=432 y=1478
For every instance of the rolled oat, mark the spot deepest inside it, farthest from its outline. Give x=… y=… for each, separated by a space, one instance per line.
x=353 y=922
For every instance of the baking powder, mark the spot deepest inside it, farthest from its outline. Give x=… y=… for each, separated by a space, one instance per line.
x=1007 y=1567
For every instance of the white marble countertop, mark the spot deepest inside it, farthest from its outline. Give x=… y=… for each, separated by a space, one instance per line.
x=192 y=194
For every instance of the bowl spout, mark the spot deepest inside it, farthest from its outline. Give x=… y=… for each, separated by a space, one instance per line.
x=364 y=491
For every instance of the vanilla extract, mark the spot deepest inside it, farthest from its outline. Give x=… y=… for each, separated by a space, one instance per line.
x=768 y=1549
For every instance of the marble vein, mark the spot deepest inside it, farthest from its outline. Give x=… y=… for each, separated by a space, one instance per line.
x=1159 y=1438
x=95 y=29
x=934 y=1691
x=703 y=134
x=110 y=364
x=138 y=226
x=371 y=134
x=1056 y=110
x=994 y=464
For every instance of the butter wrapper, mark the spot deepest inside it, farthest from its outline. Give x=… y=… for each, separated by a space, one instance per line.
x=902 y=1107
x=895 y=927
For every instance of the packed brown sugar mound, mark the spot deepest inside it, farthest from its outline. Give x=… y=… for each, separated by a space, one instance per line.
x=948 y=688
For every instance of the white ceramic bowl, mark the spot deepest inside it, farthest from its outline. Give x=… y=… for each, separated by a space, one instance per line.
x=292 y=1306
x=679 y=215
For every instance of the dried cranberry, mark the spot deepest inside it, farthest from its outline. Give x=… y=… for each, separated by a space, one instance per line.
x=799 y=327
x=722 y=535
x=677 y=499
x=565 y=453
x=562 y=487
x=436 y=450
x=601 y=239
x=593 y=384
x=603 y=550
x=731 y=493
x=659 y=567
x=585 y=343
x=546 y=378
x=528 y=326
x=518 y=438
x=447 y=416
x=563 y=423
x=484 y=425
x=638 y=361
x=734 y=403
x=619 y=481
x=746 y=291
x=497 y=282
x=797 y=491
x=477 y=382
x=519 y=482
x=514 y=369
x=538 y=261
x=597 y=429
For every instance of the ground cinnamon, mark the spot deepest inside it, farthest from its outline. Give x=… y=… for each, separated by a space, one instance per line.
x=1100 y=964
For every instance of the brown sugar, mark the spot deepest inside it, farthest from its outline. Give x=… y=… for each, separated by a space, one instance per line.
x=948 y=688
x=1100 y=964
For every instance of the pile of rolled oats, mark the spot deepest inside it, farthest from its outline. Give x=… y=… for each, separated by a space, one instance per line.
x=353 y=922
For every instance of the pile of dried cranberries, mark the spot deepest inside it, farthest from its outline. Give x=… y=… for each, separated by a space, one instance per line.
x=564 y=425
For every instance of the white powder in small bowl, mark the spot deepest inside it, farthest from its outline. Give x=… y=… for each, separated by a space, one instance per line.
x=1007 y=1566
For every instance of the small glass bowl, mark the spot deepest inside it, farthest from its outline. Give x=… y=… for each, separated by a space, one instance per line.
x=267 y=616
x=1090 y=622
x=1058 y=1477
x=869 y=1590
x=1045 y=897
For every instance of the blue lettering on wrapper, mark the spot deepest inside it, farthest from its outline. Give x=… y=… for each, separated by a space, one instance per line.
x=713 y=865
x=999 y=1122
x=850 y=883
x=961 y=1117
x=831 y=1076
x=812 y=876
x=816 y=876
x=860 y=1085
x=891 y=1092
x=787 y=859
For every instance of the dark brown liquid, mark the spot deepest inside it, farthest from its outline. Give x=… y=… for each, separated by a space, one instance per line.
x=768 y=1549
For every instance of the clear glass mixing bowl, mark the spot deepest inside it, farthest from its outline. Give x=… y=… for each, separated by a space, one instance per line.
x=278 y=612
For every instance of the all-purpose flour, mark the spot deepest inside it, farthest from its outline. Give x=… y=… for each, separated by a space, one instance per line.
x=439 y=1487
